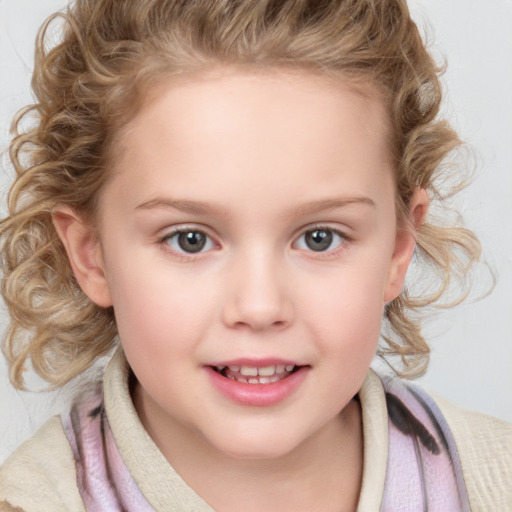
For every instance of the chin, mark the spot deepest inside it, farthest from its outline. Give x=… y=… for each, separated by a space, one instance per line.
x=255 y=453
x=258 y=446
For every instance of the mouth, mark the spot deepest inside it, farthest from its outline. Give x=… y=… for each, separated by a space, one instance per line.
x=257 y=383
x=256 y=374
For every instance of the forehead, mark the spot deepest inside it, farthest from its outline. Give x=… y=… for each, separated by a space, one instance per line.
x=233 y=127
x=203 y=100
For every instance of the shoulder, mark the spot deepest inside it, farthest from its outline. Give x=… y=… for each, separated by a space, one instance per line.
x=484 y=445
x=40 y=474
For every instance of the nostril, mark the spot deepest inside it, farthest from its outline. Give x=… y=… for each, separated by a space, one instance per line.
x=259 y=324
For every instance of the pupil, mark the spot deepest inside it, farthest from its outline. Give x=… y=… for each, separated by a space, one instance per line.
x=191 y=241
x=318 y=239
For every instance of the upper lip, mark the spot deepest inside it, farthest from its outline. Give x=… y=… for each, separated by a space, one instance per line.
x=256 y=363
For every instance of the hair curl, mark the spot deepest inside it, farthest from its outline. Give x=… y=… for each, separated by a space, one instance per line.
x=92 y=81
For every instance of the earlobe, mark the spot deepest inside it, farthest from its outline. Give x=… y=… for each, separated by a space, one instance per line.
x=405 y=244
x=84 y=254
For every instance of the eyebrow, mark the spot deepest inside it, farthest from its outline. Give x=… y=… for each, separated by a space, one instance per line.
x=322 y=205
x=194 y=207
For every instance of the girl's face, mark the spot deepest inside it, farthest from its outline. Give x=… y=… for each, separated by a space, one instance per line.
x=249 y=245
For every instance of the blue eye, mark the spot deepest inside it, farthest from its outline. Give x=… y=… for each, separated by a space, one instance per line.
x=320 y=240
x=189 y=241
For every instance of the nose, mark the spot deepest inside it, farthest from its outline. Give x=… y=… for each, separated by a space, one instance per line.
x=257 y=295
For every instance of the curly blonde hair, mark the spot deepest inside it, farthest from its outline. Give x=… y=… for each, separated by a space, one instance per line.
x=93 y=80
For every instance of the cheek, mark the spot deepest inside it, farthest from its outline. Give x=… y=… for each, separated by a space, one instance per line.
x=158 y=309
x=363 y=279
x=347 y=308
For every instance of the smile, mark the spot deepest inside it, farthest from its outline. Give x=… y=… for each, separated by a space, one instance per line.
x=256 y=375
x=257 y=384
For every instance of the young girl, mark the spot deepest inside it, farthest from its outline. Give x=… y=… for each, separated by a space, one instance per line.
x=227 y=196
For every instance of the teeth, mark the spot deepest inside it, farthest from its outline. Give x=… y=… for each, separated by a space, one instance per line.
x=267 y=371
x=248 y=371
x=264 y=374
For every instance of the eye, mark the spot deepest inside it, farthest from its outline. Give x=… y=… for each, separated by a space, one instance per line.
x=320 y=240
x=188 y=241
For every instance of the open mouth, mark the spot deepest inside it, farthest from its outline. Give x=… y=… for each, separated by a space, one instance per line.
x=257 y=383
x=256 y=375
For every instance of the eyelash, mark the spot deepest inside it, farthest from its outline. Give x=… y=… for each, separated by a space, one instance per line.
x=209 y=243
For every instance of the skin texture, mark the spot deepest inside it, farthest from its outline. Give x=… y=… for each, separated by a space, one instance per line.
x=254 y=161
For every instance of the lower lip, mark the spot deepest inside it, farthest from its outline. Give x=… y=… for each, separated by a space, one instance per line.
x=257 y=395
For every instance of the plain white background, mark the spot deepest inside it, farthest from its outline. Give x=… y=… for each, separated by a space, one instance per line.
x=471 y=346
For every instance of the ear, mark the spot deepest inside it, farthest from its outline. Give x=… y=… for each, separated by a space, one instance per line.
x=84 y=253
x=405 y=243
